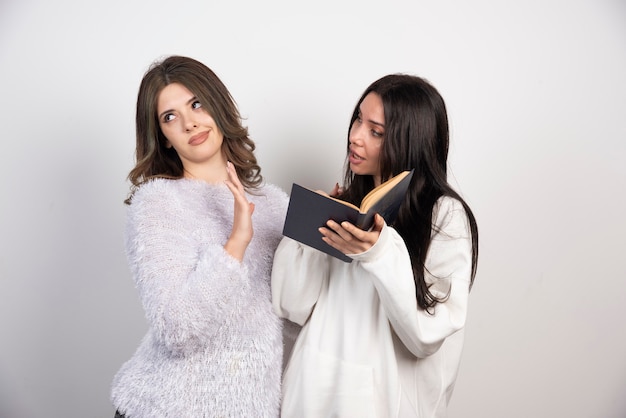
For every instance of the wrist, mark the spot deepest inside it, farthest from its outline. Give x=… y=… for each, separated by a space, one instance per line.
x=236 y=248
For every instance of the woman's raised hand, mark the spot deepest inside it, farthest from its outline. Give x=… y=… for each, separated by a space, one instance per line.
x=242 y=232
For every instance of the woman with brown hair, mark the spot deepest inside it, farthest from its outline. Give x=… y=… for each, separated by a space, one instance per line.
x=214 y=346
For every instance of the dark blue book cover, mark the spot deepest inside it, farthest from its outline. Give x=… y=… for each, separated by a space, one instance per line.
x=309 y=210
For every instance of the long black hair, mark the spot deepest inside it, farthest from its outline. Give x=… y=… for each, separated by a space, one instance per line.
x=416 y=137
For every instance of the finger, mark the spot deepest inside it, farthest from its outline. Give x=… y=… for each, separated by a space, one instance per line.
x=359 y=237
x=354 y=231
x=333 y=239
x=340 y=229
x=232 y=175
x=379 y=222
x=344 y=243
x=237 y=193
x=336 y=191
x=233 y=182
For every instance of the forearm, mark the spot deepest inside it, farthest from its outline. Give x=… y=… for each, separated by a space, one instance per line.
x=421 y=332
x=187 y=297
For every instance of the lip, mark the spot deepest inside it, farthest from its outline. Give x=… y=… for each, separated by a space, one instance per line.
x=198 y=138
x=355 y=158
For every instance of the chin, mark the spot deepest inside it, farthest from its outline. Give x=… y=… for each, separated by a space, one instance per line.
x=360 y=171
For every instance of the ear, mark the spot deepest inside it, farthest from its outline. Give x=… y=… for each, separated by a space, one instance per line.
x=168 y=144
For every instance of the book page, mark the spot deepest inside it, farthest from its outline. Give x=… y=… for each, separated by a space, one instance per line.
x=374 y=196
x=320 y=192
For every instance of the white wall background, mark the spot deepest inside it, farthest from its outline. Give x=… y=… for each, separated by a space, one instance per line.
x=536 y=93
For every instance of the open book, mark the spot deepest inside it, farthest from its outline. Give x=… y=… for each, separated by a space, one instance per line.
x=309 y=210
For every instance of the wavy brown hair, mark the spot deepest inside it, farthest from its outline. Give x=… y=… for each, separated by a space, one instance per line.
x=153 y=158
x=416 y=137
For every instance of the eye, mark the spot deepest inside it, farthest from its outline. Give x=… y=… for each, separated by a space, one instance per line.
x=196 y=105
x=168 y=117
x=377 y=134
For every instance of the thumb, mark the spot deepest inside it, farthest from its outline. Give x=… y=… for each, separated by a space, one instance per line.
x=379 y=222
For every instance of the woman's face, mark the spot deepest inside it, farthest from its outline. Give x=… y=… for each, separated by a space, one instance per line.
x=366 y=137
x=189 y=128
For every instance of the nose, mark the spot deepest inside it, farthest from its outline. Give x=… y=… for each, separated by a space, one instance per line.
x=189 y=123
x=356 y=134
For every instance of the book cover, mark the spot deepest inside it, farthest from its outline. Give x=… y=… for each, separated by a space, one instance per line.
x=309 y=210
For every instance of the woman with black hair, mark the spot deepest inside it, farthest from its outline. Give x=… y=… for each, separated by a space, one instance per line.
x=382 y=335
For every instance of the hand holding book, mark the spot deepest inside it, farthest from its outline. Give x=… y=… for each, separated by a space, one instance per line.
x=348 y=239
x=309 y=210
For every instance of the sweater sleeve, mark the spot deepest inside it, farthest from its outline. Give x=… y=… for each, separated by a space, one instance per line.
x=448 y=271
x=298 y=275
x=187 y=290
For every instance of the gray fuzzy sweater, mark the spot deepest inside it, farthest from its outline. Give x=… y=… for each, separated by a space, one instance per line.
x=214 y=345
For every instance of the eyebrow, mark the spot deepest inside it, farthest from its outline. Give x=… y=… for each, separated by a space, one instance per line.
x=382 y=125
x=193 y=99
x=373 y=122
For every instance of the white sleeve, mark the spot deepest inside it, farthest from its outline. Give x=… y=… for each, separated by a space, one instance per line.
x=298 y=274
x=448 y=268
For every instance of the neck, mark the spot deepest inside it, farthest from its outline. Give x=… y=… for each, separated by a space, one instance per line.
x=211 y=172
